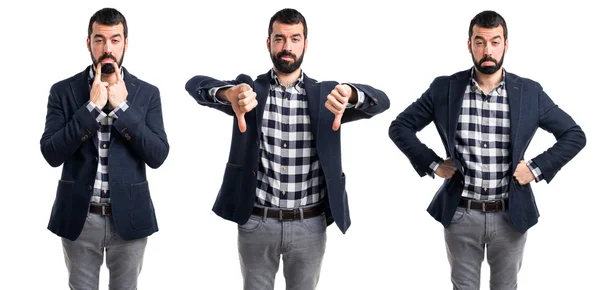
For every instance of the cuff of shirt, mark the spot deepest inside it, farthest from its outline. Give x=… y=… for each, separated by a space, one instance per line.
x=95 y=111
x=213 y=93
x=537 y=173
x=361 y=97
x=434 y=166
x=122 y=107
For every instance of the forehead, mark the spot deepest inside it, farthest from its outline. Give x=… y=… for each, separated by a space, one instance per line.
x=488 y=33
x=287 y=29
x=107 y=31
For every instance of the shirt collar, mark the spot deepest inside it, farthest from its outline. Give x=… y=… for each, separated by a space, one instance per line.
x=298 y=84
x=498 y=88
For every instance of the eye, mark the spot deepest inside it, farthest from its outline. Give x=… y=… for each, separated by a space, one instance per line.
x=496 y=43
x=115 y=41
x=98 y=40
x=295 y=39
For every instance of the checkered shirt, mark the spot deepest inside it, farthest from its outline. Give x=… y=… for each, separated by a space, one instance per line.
x=101 y=193
x=483 y=142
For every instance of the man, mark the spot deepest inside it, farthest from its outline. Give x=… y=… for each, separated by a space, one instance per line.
x=104 y=125
x=486 y=118
x=284 y=183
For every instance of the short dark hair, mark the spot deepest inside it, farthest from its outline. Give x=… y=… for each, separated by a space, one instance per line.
x=488 y=19
x=288 y=16
x=108 y=16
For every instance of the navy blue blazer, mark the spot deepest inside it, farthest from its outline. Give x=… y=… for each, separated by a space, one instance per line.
x=137 y=138
x=530 y=109
x=237 y=194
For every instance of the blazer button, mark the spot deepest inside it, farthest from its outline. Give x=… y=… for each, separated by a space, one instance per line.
x=89 y=187
x=84 y=138
x=96 y=158
x=127 y=136
x=253 y=173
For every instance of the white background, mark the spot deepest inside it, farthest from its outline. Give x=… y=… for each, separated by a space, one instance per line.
x=393 y=243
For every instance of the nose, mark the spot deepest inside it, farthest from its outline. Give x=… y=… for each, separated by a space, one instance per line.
x=488 y=50
x=287 y=45
x=107 y=48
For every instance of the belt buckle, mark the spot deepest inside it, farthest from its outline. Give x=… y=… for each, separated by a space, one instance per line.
x=491 y=210
x=288 y=219
x=104 y=210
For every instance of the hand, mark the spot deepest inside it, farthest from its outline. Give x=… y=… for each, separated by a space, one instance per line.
x=243 y=100
x=523 y=174
x=446 y=169
x=117 y=92
x=98 y=93
x=337 y=101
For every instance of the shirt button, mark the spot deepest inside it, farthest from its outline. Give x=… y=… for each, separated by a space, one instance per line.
x=253 y=173
x=285 y=121
x=283 y=168
x=284 y=145
x=485 y=189
x=485 y=166
x=485 y=145
x=283 y=192
x=89 y=187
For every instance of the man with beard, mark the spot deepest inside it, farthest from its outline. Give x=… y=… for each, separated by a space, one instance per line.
x=104 y=125
x=486 y=118
x=283 y=182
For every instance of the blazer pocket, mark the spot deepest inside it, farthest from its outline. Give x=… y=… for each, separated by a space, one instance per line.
x=141 y=213
x=232 y=184
x=62 y=201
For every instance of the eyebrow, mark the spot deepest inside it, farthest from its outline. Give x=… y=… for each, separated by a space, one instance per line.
x=294 y=35
x=481 y=37
x=102 y=36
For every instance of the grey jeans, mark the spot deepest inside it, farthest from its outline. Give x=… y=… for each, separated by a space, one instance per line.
x=85 y=255
x=467 y=237
x=263 y=241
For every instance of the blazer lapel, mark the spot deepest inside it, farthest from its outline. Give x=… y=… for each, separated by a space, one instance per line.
x=80 y=88
x=455 y=100
x=132 y=86
x=515 y=102
x=261 y=87
x=315 y=101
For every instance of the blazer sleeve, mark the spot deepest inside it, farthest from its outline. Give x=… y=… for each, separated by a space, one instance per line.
x=145 y=135
x=376 y=102
x=199 y=86
x=403 y=132
x=570 y=139
x=64 y=134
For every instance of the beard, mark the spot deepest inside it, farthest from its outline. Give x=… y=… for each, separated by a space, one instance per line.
x=108 y=68
x=488 y=70
x=285 y=66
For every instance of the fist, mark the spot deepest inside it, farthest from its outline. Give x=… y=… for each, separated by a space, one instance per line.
x=337 y=101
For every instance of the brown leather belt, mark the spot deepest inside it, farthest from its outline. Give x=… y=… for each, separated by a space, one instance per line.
x=101 y=209
x=288 y=214
x=486 y=206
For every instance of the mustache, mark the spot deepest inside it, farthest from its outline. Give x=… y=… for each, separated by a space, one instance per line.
x=105 y=56
x=286 y=53
x=488 y=58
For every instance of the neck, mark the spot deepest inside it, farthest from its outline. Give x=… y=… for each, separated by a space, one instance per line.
x=488 y=82
x=288 y=79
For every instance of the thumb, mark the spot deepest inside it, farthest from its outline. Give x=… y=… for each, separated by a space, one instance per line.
x=241 y=121
x=337 y=122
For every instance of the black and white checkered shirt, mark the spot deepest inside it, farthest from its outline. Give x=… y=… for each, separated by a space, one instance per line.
x=101 y=193
x=289 y=172
x=483 y=142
